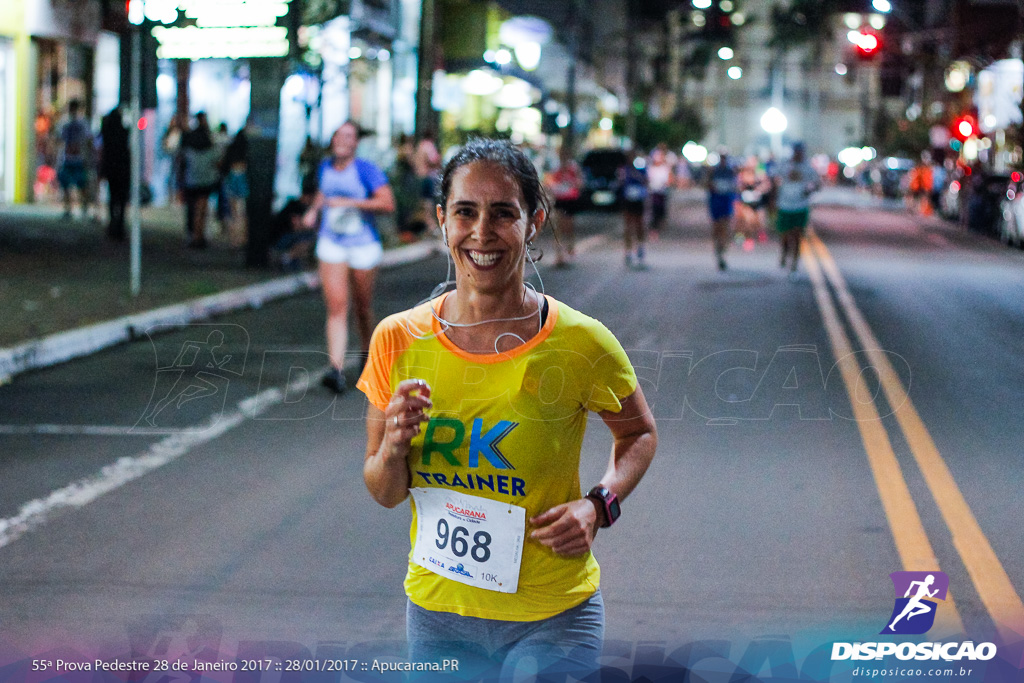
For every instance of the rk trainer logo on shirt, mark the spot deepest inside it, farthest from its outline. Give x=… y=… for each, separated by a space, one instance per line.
x=914 y=612
x=480 y=442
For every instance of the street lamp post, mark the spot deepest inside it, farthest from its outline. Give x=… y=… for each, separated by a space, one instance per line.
x=135 y=17
x=774 y=122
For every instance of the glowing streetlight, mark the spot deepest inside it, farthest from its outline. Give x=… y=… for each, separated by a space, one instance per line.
x=694 y=153
x=774 y=121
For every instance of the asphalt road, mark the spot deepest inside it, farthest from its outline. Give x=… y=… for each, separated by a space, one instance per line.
x=232 y=519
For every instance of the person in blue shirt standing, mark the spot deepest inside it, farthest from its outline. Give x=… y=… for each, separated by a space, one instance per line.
x=722 y=191
x=351 y=191
x=633 y=198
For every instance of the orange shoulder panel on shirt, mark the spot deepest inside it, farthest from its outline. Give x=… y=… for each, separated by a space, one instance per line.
x=393 y=337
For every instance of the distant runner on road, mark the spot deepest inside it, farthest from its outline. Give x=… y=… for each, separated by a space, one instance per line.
x=796 y=181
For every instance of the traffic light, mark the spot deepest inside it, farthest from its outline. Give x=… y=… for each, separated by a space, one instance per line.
x=867 y=44
x=964 y=126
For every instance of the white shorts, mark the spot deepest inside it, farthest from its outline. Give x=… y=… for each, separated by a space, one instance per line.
x=362 y=257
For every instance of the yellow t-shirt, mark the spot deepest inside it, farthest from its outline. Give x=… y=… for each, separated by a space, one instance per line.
x=522 y=414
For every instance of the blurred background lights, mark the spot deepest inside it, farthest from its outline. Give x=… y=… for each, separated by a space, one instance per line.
x=852 y=20
x=480 y=82
x=294 y=86
x=957 y=76
x=735 y=73
x=841 y=69
x=702 y=4
x=528 y=55
x=605 y=124
x=876 y=21
x=354 y=53
x=738 y=18
x=726 y=5
x=699 y=20
x=725 y=53
x=882 y=5
x=694 y=153
x=774 y=121
x=502 y=57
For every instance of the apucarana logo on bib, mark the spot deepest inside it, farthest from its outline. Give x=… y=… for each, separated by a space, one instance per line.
x=917 y=594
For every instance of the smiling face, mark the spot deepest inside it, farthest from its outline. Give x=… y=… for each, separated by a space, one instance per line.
x=487 y=225
x=344 y=141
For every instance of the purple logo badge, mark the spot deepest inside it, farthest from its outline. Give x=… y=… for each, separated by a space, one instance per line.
x=916 y=596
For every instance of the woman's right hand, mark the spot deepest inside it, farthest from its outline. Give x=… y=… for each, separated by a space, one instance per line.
x=403 y=416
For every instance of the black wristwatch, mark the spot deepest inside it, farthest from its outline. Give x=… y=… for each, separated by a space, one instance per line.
x=608 y=502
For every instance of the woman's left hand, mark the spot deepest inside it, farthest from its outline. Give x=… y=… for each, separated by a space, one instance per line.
x=568 y=529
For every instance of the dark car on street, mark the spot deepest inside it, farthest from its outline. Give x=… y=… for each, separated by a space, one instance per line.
x=601 y=177
x=984 y=203
x=893 y=178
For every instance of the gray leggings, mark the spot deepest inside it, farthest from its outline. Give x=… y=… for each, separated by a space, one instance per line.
x=493 y=650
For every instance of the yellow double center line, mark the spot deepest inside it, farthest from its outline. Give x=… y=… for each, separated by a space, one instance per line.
x=990 y=579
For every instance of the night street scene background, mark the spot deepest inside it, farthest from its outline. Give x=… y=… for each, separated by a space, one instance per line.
x=181 y=469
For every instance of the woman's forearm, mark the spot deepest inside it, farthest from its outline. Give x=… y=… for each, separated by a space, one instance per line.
x=387 y=480
x=630 y=458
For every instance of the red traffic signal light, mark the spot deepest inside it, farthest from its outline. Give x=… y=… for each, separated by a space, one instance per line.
x=867 y=44
x=964 y=127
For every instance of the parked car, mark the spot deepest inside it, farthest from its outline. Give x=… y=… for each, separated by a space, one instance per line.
x=988 y=191
x=600 y=177
x=1011 y=213
x=894 y=180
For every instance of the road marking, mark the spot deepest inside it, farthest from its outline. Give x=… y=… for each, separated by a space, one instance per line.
x=908 y=532
x=115 y=475
x=990 y=579
x=85 y=430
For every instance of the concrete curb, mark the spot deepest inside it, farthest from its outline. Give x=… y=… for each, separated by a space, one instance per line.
x=64 y=346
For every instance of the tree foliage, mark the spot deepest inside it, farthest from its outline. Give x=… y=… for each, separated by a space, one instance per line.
x=684 y=126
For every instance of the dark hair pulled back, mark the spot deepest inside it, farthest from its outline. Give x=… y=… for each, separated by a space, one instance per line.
x=509 y=157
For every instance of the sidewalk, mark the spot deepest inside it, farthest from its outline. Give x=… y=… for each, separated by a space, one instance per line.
x=64 y=288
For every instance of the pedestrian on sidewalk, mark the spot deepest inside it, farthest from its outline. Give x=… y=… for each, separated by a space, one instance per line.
x=115 y=166
x=565 y=184
x=351 y=190
x=796 y=181
x=633 y=199
x=722 y=185
x=501 y=576
x=200 y=178
x=234 y=188
x=76 y=153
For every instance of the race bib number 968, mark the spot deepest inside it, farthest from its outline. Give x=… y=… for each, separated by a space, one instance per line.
x=469 y=539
